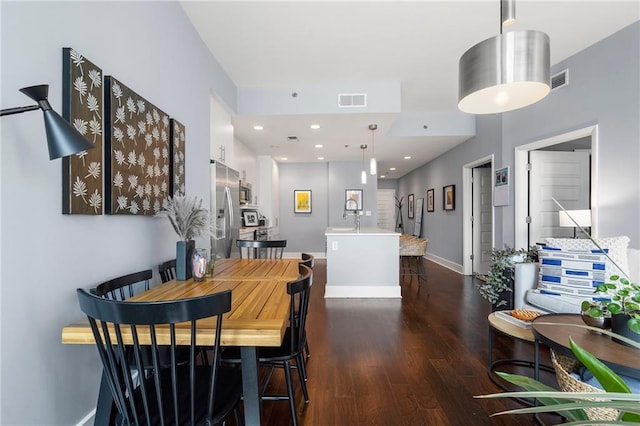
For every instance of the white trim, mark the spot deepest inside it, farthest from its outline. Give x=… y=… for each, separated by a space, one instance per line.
x=521 y=181
x=359 y=291
x=467 y=209
x=88 y=419
x=455 y=267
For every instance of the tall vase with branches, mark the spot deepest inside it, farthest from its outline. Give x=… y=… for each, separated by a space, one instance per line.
x=399 y=204
x=189 y=220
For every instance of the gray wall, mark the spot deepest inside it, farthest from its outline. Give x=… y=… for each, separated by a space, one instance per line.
x=604 y=89
x=444 y=228
x=304 y=232
x=328 y=181
x=152 y=48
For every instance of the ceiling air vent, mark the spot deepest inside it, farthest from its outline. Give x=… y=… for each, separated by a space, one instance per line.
x=352 y=100
x=560 y=79
x=292 y=138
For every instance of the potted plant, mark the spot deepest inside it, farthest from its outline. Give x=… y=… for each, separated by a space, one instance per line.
x=190 y=220
x=498 y=288
x=620 y=302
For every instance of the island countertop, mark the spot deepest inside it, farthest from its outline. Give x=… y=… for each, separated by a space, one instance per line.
x=370 y=231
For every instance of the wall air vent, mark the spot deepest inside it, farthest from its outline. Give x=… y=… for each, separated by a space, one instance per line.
x=560 y=79
x=352 y=100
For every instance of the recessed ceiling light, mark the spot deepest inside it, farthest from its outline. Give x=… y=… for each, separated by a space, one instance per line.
x=382 y=176
x=320 y=158
x=408 y=157
x=319 y=145
x=391 y=169
x=258 y=127
x=314 y=126
x=284 y=158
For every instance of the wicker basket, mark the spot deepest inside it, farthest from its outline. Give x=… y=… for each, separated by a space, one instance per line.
x=565 y=365
x=412 y=246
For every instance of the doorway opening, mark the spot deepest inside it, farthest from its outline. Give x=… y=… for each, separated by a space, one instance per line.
x=523 y=197
x=478 y=235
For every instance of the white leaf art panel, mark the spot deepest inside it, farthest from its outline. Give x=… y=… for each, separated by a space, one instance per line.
x=82 y=106
x=177 y=157
x=137 y=175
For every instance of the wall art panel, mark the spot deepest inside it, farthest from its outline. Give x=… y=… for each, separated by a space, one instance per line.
x=137 y=152
x=82 y=106
x=177 y=155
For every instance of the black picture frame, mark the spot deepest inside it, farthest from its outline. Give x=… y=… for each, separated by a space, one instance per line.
x=353 y=198
x=430 y=200
x=411 y=207
x=250 y=218
x=302 y=201
x=449 y=197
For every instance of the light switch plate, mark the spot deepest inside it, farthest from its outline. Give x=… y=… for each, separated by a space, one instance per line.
x=334 y=245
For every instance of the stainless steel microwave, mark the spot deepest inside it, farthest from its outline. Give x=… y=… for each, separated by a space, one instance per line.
x=245 y=192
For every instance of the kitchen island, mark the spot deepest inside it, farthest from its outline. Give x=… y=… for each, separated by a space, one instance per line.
x=362 y=263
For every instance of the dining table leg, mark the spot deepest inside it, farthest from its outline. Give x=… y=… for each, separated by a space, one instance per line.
x=250 y=386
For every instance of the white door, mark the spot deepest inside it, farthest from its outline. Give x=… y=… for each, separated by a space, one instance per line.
x=482 y=219
x=563 y=176
x=386 y=208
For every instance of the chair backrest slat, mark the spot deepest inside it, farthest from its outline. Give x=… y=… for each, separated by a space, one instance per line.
x=261 y=249
x=167 y=270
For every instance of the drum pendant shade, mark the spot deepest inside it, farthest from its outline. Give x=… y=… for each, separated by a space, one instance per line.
x=504 y=73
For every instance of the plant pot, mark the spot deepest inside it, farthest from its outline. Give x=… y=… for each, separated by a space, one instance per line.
x=184 y=251
x=504 y=302
x=619 y=326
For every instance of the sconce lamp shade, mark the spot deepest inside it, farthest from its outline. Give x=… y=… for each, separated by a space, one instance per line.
x=581 y=217
x=62 y=138
x=505 y=72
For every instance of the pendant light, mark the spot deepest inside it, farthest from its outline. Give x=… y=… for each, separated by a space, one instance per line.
x=373 y=164
x=363 y=175
x=505 y=72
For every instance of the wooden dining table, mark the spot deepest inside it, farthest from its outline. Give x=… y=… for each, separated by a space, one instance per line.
x=259 y=317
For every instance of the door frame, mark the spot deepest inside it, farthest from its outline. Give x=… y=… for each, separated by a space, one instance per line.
x=521 y=181
x=467 y=211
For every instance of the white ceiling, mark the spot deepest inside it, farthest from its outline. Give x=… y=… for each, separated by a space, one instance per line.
x=288 y=45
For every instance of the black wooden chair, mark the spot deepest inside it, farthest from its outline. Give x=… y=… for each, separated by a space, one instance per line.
x=167 y=270
x=178 y=394
x=261 y=249
x=124 y=287
x=292 y=344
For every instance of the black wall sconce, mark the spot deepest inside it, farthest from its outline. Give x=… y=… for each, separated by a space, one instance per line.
x=63 y=140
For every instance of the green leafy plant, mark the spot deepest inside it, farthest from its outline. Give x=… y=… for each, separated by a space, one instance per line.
x=623 y=297
x=501 y=272
x=186 y=215
x=571 y=405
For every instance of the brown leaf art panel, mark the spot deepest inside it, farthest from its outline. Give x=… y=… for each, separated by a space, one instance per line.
x=177 y=153
x=137 y=172
x=82 y=105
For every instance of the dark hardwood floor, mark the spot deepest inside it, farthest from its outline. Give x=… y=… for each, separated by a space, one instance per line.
x=415 y=361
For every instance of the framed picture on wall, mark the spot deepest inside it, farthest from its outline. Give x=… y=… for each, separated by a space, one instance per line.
x=430 y=204
x=302 y=201
x=410 y=207
x=449 y=197
x=353 y=199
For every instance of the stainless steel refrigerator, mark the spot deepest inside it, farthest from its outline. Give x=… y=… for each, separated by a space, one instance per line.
x=225 y=206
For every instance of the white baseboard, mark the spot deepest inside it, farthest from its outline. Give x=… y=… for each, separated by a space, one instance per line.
x=455 y=267
x=359 y=291
x=88 y=420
